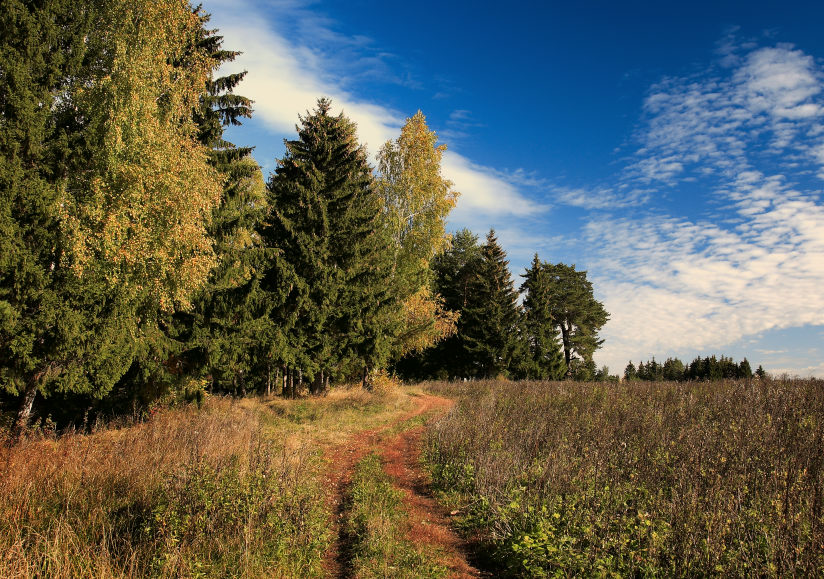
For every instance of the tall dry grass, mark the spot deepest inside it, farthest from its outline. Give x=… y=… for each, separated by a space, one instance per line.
x=670 y=479
x=209 y=492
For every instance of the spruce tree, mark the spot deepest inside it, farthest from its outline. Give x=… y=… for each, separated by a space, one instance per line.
x=224 y=337
x=452 y=271
x=325 y=220
x=490 y=320
x=544 y=359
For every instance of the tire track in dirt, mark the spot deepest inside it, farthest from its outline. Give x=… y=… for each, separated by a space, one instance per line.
x=429 y=523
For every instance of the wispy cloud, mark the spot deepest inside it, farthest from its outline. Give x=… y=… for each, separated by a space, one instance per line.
x=750 y=136
x=287 y=75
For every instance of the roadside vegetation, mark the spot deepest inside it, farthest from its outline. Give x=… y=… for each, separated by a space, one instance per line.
x=231 y=489
x=642 y=478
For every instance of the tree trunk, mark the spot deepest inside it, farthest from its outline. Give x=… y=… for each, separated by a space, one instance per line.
x=21 y=423
x=300 y=379
x=367 y=379
x=291 y=383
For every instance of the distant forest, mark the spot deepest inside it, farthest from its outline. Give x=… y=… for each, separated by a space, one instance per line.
x=143 y=257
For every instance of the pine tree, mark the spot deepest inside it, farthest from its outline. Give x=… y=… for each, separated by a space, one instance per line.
x=326 y=221
x=490 y=320
x=544 y=359
x=578 y=314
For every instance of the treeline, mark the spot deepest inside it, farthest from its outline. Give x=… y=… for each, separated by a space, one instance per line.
x=142 y=254
x=707 y=368
x=550 y=335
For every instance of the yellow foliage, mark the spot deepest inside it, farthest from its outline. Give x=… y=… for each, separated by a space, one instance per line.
x=425 y=322
x=383 y=383
x=136 y=216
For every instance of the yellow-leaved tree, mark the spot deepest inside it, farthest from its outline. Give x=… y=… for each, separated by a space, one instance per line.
x=136 y=215
x=416 y=200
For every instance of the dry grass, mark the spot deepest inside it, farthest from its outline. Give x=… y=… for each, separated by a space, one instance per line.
x=231 y=489
x=642 y=478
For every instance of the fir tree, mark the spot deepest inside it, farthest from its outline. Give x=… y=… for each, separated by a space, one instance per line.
x=544 y=359
x=325 y=220
x=490 y=320
x=452 y=272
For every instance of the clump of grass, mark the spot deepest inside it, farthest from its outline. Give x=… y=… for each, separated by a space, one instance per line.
x=377 y=525
x=638 y=479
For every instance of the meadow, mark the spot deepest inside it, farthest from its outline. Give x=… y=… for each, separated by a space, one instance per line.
x=234 y=488
x=636 y=479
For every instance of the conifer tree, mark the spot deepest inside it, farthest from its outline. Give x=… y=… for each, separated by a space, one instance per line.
x=224 y=336
x=325 y=219
x=544 y=359
x=578 y=314
x=490 y=320
x=452 y=271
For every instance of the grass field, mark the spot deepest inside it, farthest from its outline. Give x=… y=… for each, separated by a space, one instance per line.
x=233 y=489
x=651 y=479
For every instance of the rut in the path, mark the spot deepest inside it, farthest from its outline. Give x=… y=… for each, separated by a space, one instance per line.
x=429 y=523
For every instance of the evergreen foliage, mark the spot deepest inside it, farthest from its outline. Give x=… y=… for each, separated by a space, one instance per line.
x=491 y=317
x=674 y=370
x=452 y=271
x=579 y=315
x=325 y=221
x=544 y=359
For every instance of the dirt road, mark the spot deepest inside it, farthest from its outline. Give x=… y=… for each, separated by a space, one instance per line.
x=400 y=450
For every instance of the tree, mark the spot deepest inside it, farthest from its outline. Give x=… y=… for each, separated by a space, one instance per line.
x=452 y=271
x=630 y=372
x=416 y=199
x=576 y=311
x=325 y=220
x=106 y=192
x=544 y=360
x=224 y=336
x=673 y=370
x=490 y=320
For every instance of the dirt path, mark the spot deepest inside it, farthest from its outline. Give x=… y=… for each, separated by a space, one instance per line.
x=401 y=453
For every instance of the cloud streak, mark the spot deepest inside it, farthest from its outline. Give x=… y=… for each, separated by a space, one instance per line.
x=750 y=136
x=286 y=78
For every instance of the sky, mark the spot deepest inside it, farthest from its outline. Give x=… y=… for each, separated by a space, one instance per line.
x=674 y=151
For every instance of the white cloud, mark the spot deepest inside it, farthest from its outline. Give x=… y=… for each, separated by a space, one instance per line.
x=285 y=79
x=675 y=284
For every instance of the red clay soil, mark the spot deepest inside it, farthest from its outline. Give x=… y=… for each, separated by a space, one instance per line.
x=429 y=524
x=429 y=521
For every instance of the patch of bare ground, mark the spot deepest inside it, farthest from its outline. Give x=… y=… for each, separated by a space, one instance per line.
x=428 y=521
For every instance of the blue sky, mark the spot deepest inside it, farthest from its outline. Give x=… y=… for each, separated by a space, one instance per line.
x=674 y=152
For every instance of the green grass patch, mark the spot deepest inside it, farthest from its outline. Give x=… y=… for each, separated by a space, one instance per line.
x=377 y=525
